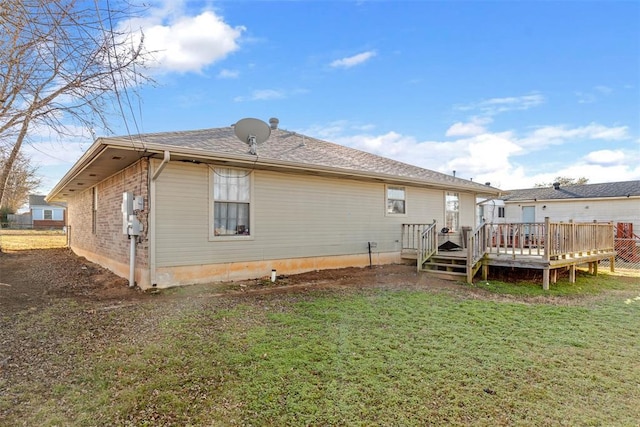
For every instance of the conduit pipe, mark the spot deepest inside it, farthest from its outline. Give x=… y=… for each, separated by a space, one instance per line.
x=132 y=262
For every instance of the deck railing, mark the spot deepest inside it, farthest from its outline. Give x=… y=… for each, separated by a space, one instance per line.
x=551 y=240
x=571 y=239
x=411 y=235
x=520 y=238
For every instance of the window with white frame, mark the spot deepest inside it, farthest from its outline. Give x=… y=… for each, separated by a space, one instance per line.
x=231 y=202
x=396 y=200
x=452 y=213
x=47 y=214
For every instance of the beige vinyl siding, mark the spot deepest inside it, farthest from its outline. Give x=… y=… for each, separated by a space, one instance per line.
x=467 y=210
x=181 y=213
x=293 y=216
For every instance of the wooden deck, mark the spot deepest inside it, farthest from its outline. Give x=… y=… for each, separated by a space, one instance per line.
x=546 y=246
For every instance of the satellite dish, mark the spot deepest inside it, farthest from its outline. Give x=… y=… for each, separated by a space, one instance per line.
x=253 y=132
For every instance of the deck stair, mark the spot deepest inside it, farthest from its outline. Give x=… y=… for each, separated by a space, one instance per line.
x=446 y=266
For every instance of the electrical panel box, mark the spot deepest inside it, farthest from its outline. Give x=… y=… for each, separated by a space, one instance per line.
x=127 y=210
x=138 y=203
x=135 y=226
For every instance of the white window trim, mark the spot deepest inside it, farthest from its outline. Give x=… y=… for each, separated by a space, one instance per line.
x=386 y=200
x=211 y=222
x=446 y=210
x=43 y=214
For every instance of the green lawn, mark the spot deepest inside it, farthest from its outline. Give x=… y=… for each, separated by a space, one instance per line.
x=506 y=356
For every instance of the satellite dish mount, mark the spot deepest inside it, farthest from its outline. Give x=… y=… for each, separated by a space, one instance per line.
x=252 y=131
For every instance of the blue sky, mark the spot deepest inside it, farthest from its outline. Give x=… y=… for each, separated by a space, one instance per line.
x=512 y=93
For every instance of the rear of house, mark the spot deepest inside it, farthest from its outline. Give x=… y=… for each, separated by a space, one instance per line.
x=212 y=211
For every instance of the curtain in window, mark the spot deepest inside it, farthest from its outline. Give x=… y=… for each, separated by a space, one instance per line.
x=231 y=218
x=452 y=213
x=231 y=192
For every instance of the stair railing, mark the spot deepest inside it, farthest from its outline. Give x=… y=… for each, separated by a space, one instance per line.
x=476 y=249
x=427 y=244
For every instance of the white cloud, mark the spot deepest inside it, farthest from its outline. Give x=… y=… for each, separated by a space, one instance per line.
x=474 y=127
x=585 y=98
x=183 y=43
x=494 y=106
x=605 y=90
x=605 y=157
x=261 y=95
x=228 y=74
x=354 y=60
x=497 y=157
x=554 y=135
x=590 y=97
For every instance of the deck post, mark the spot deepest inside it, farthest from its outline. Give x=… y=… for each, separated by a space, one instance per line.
x=419 y=253
x=612 y=264
x=547 y=239
x=485 y=271
x=554 y=276
x=572 y=273
x=545 y=279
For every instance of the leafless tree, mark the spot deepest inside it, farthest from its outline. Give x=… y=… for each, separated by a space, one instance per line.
x=22 y=181
x=61 y=62
x=563 y=181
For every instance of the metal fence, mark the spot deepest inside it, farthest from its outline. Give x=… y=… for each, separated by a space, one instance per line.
x=628 y=254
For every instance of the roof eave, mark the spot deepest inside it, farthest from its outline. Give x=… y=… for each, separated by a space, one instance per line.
x=102 y=144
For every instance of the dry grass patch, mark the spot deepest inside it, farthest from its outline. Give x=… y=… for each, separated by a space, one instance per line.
x=21 y=240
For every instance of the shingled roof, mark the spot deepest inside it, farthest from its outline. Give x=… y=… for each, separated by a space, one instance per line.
x=295 y=148
x=583 y=191
x=37 y=200
x=283 y=150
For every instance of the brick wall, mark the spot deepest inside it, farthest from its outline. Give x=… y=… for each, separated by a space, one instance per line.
x=108 y=240
x=47 y=223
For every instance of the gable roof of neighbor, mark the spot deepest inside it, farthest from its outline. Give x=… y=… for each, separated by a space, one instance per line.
x=583 y=191
x=37 y=200
x=283 y=150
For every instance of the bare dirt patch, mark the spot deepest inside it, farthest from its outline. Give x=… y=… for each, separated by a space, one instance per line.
x=35 y=278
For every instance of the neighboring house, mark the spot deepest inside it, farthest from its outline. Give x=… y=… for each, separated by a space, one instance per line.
x=45 y=215
x=209 y=210
x=616 y=202
x=491 y=211
x=612 y=201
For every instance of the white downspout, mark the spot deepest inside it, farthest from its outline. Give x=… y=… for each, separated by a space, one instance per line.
x=167 y=158
x=152 y=217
